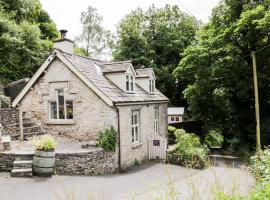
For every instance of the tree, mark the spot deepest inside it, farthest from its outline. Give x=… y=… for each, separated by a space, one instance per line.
x=23 y=43
x=94 y=37
x=155 y=38
x=219 y=69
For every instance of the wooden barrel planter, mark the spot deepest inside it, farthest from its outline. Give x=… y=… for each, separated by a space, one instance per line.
x=43 y=163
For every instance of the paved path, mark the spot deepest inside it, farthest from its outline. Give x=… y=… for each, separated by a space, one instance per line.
x=147 y=181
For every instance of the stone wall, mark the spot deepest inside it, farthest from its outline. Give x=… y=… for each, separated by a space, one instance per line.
x=6 y=162
x=9 y=117
x=94 y=162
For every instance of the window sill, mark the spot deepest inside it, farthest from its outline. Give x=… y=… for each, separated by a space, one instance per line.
x=136 y=145
x=61 y=122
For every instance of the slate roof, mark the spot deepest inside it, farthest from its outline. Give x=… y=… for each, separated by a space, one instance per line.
x=145 y=72
x=115 y=66
x=176 y=110
x=93 y=70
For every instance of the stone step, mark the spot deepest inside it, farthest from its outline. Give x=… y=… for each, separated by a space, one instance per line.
x=25 y=124
x=25 y=119
x=28 y=172
x=22 y=164
x=31 y=129
x=24 y=155
x=26 y=135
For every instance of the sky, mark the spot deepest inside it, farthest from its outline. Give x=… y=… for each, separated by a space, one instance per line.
x=66 y=13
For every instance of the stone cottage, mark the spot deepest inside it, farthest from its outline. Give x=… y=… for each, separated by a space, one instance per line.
x=78 y=97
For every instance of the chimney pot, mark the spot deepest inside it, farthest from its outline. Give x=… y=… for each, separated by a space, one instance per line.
x=63 y=33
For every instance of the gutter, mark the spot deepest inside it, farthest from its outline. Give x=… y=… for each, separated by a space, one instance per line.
x=119 y=139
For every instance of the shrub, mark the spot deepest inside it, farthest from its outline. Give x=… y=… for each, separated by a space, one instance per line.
x=45 y=143
x=107 y=139
x=171 y=136
x=260 y=165
x=189 y=152
x=214 y=138
x=4 y=100
x=171 y=130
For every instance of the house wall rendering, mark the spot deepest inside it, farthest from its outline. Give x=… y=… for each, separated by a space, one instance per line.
x=130 y=152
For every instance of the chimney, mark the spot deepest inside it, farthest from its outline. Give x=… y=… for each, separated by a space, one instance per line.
x=64 y=44
x=63 y=33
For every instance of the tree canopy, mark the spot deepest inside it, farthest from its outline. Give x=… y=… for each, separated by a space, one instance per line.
x=26 y=32
x=155 y=38
x=94 y=38
x=218 y=68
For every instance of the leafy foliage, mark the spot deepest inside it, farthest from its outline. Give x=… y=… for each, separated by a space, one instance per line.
x=45 y=143
x=218 y=68
x=26 y=32
x=260 y=165
x=214 y=138
x=171 y=129
x=188 y=151
x=107 y=139
x=155 y=38
x=94 y=38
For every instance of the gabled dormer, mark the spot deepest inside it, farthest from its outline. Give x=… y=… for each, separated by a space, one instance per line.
x=146 y=79
x=122 y=74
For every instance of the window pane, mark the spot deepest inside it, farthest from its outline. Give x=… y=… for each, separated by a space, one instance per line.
x=177 y=119
x=127 y=82
x=172 y=118
x=132 y=134
x=53 y=110
x=135 y=118
x=156 y=112
x=131 y=83
x=61 y=106
x=136 y=133
x=69 y=109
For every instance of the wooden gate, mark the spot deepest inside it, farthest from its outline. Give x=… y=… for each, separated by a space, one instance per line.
x=157 y=147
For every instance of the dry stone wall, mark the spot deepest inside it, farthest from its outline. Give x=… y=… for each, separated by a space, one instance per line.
x=6 y=162
x=94 y=162
x=9 y=117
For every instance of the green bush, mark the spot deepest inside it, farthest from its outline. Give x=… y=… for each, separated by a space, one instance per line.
x=188 y=151
x=214 y=138
x=260 y=165
x=171 y=130
x=45 y=143
x=107 y=139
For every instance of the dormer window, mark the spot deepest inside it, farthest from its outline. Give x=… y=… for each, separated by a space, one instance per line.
x=129 y=83
x=151 y=86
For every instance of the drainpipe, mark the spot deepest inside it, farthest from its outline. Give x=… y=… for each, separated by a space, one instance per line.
x=119 y=140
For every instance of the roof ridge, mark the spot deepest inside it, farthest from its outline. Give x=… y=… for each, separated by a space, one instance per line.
x=73 y=54
x=147 y=68
x=115 y=62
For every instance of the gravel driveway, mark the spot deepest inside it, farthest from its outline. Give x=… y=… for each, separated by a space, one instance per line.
x=146 y=181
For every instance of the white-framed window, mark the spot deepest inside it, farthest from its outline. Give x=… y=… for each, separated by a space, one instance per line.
x=61 y=108
x=135 y=126
x=177 y=119
x=172 y=119
x=151 y=85
x=130 y=83
x=156 y=120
